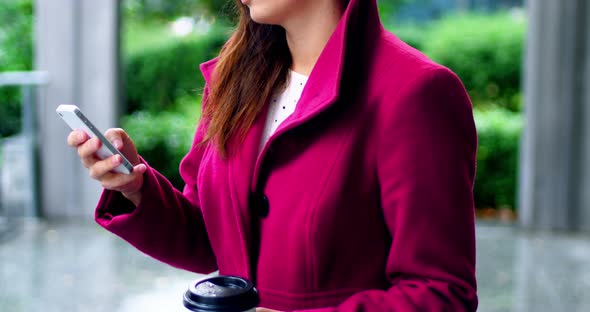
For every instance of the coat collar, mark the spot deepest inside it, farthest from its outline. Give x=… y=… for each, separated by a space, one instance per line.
x=359 y=24
x=361 y=18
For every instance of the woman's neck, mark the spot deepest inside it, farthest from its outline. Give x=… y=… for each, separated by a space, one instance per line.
x=308 y=33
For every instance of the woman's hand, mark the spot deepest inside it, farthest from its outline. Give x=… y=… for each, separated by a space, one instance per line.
x=265 y=310
x=128 y=184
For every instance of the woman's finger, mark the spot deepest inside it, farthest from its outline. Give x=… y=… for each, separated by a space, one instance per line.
x=116 y=137
x=102 y=167
x=89 y=161
x=125 y=183
x=77 y=137
x=89 y=148
x=123 y=142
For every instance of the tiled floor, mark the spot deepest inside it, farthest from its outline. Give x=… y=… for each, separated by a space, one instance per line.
x=80 y=267
x=522 y=271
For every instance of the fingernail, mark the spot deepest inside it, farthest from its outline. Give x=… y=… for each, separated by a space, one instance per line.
x=118 y=143
x=80 y=136
x=116 y=159
x=141 y=168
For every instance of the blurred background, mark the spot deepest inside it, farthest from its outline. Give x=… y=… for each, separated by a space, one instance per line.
x=135 y=64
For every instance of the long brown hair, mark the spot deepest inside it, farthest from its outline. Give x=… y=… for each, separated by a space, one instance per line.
x=252 y=65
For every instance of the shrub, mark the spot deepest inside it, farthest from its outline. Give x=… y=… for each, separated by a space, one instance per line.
x=10 y=111
x=16 y=42
x=158 y=75
x=486 y=51
x=412 y=34
x=497 y=157
x=163 y=138
x=166 y=9
x=388 y=8
x=16 y=54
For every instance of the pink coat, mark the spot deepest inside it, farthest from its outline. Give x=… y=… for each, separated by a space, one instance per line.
x=360 y=201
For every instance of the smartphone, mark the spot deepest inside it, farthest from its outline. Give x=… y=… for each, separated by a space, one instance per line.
x=72 y=115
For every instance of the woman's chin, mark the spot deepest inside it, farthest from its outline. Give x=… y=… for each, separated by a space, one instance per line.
x=262 y=19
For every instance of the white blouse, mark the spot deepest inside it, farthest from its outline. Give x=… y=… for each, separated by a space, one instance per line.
x=282 y=105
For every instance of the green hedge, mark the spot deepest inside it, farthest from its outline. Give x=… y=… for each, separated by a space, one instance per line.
x=167 y=9
x=486 y=51
x=162 y=139
x=155 y=77
x=412 y=34
x=499 y=134
x=16 y=54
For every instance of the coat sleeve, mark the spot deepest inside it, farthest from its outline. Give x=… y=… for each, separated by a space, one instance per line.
x=167 y=224
x=426 y=170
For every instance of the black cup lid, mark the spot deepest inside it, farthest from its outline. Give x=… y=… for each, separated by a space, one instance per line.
x=221 y=294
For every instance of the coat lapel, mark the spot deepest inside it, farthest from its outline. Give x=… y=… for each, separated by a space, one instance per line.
x=323 y=86
x=240 y=176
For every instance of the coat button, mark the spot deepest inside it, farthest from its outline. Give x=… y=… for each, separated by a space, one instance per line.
x=260 y=204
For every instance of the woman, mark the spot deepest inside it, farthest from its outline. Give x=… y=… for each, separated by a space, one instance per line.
x=358 y=200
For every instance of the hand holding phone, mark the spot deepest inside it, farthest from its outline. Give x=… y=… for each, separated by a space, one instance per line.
x=72 y=116
x=115 y=173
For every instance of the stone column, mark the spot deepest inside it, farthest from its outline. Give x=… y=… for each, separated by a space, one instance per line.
x=583 y=135
x=77 y=43
x=554 y=168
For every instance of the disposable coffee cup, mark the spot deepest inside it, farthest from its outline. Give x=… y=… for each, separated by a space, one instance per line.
x=221 y=294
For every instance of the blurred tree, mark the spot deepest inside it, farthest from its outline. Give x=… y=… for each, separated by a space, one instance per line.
x=170 y=9
x=220 y=8
x=16 y=44
x=160 y=9
x=16 y=54
x=387 y=8
x=166 y=9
